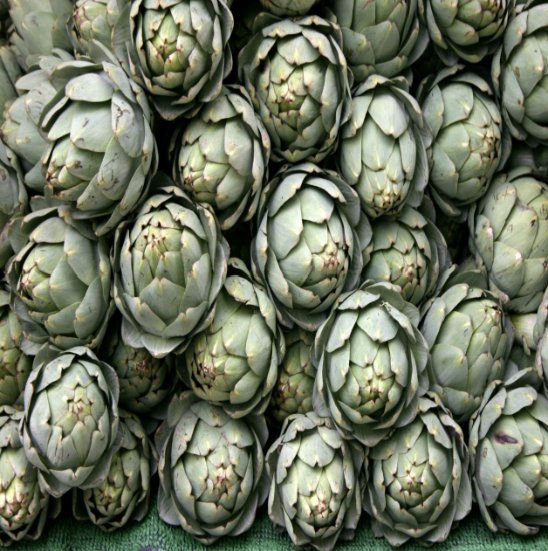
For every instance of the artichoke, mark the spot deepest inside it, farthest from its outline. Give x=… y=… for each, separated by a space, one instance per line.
x=9 y=73
x=465 y=29
x=469 y=143
x=371 y=362
x=233 y=363
x=380 y=37
x=15 y=365
x=408 y=251
x=470 y=340
x=316 y=482
x=24 y=506
x=419 y=482
x=295 y=384
x=308 y=246
x=383 y=147
x=508 y=448
x=13 y=198
x=60 y=280
x=520 y=75
x=95 y=20
x=146 y=383
x=221 y=158
x=289 y=8
x=178 y=51
x=535 y=158
x=299 y=83
x=509 y=235
x=170 y=265
x=211 y=469
x=39 y=27
x=125 y=493
x=103 y=173
x=70 y=429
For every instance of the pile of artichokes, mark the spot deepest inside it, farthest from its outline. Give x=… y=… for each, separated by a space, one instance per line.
x=284 y=258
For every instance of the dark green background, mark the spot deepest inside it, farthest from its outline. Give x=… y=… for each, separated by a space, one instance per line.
x=65 y=534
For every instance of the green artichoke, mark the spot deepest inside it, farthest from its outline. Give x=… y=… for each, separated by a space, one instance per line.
x=95 y=20
x=419 y=484
x=288 y=8
x=509 y=448
x=233 y=363
x=211 y=469
x=308 y=246
x=295 y=384
x=70 y=429
x=103 y=173
x=24 y=507
x=170 y=265
x=13 y=197
x=60 y=280
x=371 y=362
x=316 y=482
x=509 y=235
x=9 y=73
x=470 y=339
x=380 y=37
x=382 y=153
x=520 y=75
x=465 y=29
x=178 y=51
x=469 y=143
x=221 y=158
x=15 y=365
x=146 y=383
x=408 y=251
x=20 y=128
x=39 y=27
x=299 y=82
x=125 y=493
x=536 y=158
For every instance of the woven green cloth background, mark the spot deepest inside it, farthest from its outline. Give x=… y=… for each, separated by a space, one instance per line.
x=153 y=535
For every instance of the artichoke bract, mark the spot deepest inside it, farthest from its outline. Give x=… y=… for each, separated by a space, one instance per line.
x=371 y=362
x=309 y=244
x=509 y=235
x=299 y=82
x=13 y=197
x=380 y=37
x=465 y=29
x=146 y=383
x=60 y=280
x=382 y=152
x=9 y=73
x=95 y=20
x=221 y=158
x=508 y=446
x=408 y=251
x=469 y=143
x=24 y=506
x=15 y=365
x=520 y=75
x=470 y=340
x=70 y=429
x=170 y=265
x=419 y=481
x=316 y=482
x=178 y=51
x=39 y=27
x=535 y=158
x=289 y=8
x=211 y=469
x=294 y=387
x=233 y=363
x=104 y=173
x=124 y=495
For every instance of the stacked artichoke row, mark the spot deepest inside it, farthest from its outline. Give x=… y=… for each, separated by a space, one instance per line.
x=290 y=254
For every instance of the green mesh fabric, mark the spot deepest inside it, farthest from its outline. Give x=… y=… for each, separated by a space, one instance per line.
x=65 y=534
